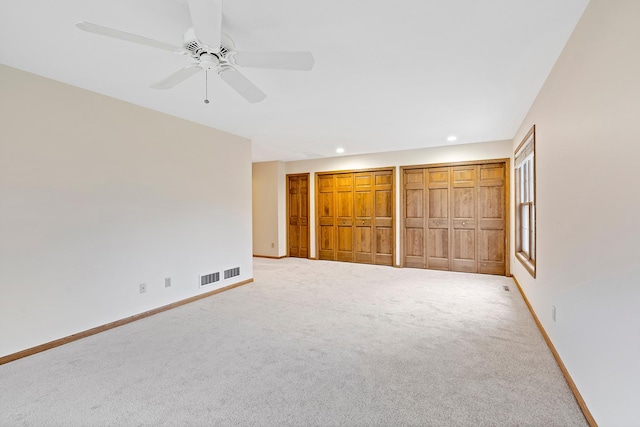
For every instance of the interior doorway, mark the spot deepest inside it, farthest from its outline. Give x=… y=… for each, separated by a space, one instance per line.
x=298 y=215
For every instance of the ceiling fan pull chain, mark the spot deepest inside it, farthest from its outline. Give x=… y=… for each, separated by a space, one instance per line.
x=206 y=86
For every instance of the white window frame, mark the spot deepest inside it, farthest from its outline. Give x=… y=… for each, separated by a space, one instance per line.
x=525 y=201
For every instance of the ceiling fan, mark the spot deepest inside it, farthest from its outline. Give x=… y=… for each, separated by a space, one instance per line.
x=213 y=51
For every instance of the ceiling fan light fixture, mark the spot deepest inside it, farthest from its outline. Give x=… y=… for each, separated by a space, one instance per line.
x=209 y=61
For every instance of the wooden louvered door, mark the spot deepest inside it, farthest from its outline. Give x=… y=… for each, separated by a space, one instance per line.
x=455 y=217
x=298 y=215
x=355 y=216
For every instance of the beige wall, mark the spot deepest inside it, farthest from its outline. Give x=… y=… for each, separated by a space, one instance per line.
x=588 y=206
x=269 y=204
x=98 y=196
x=447 y=154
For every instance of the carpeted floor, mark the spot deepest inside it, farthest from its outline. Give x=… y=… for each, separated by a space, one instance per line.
x=309 y=343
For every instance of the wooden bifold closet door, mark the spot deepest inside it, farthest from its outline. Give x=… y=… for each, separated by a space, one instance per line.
x=355 y=213
x=455 y=217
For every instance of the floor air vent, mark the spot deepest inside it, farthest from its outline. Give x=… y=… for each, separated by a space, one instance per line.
x=207 y=279
x=232 y=272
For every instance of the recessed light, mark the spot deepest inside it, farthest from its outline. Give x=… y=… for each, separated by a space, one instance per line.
x=452 y=138
x=340 y=150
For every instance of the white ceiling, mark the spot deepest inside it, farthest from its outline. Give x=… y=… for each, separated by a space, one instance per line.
x=388 y=75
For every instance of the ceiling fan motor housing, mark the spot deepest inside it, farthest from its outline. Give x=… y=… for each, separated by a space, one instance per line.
x=204 y=53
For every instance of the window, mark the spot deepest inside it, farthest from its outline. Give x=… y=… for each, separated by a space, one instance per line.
x=525 y=177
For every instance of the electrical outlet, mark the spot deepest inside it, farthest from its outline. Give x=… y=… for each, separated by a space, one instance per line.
x=553 y=312
x=273 y=245
x=143 y=288
x=167 y=282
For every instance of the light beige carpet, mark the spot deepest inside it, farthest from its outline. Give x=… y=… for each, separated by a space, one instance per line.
x=308 y=343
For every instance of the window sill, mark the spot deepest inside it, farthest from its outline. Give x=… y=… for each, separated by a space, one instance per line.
x=528 y=265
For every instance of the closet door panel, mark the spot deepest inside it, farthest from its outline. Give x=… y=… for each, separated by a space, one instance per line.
x=492 y=219
x=414 y=212
x=326 y=217
x=363 y=214
x=438 y=248
x=345 y=243
x=363 y=244
x=464 y=191
x=384 y=242
x=383 y=213
x=414 y=248
x=344 y=217
x=438 y=218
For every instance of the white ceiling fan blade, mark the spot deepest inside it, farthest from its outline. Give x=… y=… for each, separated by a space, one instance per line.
x=302 y=61
x=117 y=34
x=206 y=18
x=177 y=77
x=242 y=85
